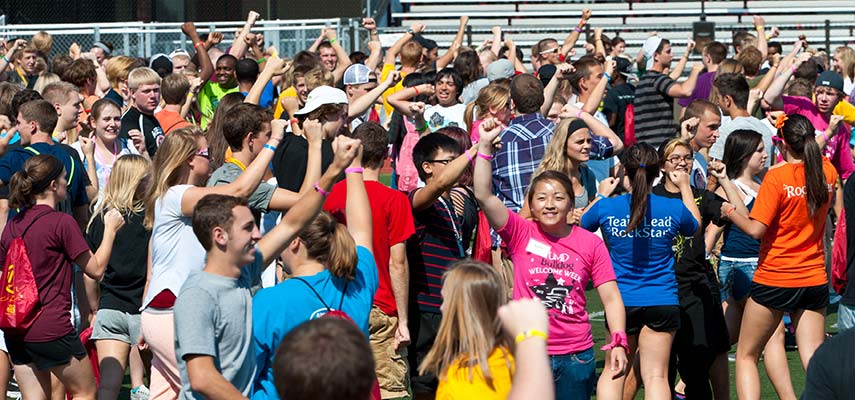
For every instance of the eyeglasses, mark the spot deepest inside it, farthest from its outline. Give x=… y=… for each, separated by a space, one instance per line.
x=203 y=153
x=443 y=162
x=676 y=159
x=552 y=50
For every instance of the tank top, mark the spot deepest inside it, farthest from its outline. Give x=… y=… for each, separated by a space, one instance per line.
x=737 y=244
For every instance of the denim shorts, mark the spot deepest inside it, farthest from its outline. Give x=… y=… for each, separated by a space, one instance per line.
x=575 y=375
x=735 y=278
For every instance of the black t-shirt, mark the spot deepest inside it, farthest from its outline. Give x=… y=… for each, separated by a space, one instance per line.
x=832 y=369
x=124 y=278
x=616 y=101
x=849 y=205
x=291 y=158
x=690 y=264
x=147 y=124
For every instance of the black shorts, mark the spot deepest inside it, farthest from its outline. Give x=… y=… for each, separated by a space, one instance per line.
x=46 y=355
x=658 y=318
x=790 y=299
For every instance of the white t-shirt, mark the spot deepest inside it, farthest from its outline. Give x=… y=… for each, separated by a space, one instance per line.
x=175 y=251
x=439 y=117
x=729 y=125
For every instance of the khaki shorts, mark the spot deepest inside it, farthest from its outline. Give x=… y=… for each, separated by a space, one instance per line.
x=391 y=366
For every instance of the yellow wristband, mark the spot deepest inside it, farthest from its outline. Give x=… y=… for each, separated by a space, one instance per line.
x=760 y=28
x=530 y=334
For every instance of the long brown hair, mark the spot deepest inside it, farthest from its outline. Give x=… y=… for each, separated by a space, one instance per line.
x=328 y=242
x=799 y=135
x=642 y=167
x=470 y=327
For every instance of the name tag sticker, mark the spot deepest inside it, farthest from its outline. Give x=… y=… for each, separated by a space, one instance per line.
x=537 y=248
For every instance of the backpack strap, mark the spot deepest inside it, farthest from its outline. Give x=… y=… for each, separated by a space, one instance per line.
x=33 y=222
x=343 y=292
x=314 y=291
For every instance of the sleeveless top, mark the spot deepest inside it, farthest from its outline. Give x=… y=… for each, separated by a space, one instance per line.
x=737 y=244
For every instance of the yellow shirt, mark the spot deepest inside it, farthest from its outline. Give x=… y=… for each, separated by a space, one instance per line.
x=290 y=92
x=457 y=385
x=846 y=110
x=387 y=68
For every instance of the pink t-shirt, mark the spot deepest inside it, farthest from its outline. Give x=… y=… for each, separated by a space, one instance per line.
x=556 y=271
x=837 y=150
x=474 y=135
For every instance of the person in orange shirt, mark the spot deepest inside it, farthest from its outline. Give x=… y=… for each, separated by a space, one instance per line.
x=175 y=90
x=788 y=218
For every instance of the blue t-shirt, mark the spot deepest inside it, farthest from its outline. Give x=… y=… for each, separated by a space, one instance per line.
x=13 y=161
x=644 y=258
x=268 y=95
x=279 y=309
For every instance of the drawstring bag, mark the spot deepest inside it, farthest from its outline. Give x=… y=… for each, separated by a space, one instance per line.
x=19 y=301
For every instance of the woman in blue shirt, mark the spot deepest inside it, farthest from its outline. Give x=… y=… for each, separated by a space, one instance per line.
x=332 y=269
x=640 y=228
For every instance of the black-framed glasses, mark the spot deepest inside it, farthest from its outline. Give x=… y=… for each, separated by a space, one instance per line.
x=443 y=162
x=676 y=159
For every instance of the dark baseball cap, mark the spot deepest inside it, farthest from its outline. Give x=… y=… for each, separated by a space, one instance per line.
x=546 y=72
x=830 y=79
x=425 y=42
x=623 y=66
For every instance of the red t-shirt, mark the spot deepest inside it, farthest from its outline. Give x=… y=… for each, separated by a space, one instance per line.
x=392 y=221
x=53 y=242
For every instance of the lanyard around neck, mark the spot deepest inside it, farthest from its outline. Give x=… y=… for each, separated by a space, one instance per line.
x=237 y=162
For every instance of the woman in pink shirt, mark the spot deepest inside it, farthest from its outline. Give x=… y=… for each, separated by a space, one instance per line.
x=554 y=261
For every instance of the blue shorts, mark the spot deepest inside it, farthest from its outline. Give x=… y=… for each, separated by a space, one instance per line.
x=735 y=278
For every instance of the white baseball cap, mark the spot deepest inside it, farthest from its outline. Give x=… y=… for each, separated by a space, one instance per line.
x=649 y=49
x=322 y=95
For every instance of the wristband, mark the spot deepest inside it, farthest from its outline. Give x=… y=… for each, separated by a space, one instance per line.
x=321 y=191
x=270 y=147
x=422 y=129
x=416 y=89
x=488 y=157
x=354 y=170
x=530 y=333
x=197 y=44
x=825 y=137
x=793 y=68
x=274 y=53
x=579 y=114
x=608 y=77
x=760 y=28
x=602 y=196
x=578 y=29
x=618 y=340
x=6 y=59
x=332 y=41
x=468 y=156
x=730 y=211
x=261 y=60
x=190 y=95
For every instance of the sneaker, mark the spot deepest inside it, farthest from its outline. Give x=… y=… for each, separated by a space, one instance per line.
x=731 y=357
x=13 y=391
x=139 y=393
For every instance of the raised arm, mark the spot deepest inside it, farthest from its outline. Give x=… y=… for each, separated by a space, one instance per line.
x=359 y=106
x=94 y=265
x=685 y=89
x=595 y=125
x=600 y=48
x=284 y=199
x=773 y=95
x=762 y=42
x=497 y=40
x=400 y=100
x=305 y=210
x=239 y=45
x=677 y=72
x=273 y=67
x=562 y=71
x=533 y=373
x=593 y=103
x=571 y=39
x=495 y=211
x=451 y=52
x=358 y=210
x=512 y=56
x=719 y=171
x=376 y=49
x=343 y=59
x=426 y=196
x=87 y=145
x=247 y=181
x=195 y=85
x=392 y=52
x=681 y=180
x=206 y=68
x=10 y=55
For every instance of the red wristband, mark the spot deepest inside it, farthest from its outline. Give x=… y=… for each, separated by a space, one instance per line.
x=416 y=89
x=197 y=44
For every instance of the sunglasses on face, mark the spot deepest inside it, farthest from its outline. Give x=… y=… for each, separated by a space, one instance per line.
x=550 y=51
x=203 y=153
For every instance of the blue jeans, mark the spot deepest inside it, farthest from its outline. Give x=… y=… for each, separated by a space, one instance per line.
x=734 y=278
x=574 y=375
x=845 y=318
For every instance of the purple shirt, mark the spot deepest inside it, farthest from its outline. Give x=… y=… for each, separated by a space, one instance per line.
x=702 y=89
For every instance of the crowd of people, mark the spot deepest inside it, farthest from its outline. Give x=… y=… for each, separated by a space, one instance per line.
x=232 y=222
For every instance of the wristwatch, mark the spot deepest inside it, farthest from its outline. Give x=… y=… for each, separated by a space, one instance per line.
x=411 y=32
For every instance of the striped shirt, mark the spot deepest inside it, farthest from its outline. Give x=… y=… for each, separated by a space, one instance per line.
x=524 y=144
x=654 y=109
x=438 y=241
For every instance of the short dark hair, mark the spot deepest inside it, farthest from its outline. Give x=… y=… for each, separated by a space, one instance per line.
x=246 y=70
x=455 y=76
x=324 y=359
x=583 y=70
x=214 y=210
x=717 y=51
x=699 y=107
x=226 y=57
x=375 y=143
x=468 y=64
x=428 y=146
x=42 y=112
x=735 y=86
x=79 y=72
x=242 y=119
x=22 y=97
x=527 y=93
x=775 y=45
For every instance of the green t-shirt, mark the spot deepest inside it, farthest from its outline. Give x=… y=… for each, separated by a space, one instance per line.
x=209 y=98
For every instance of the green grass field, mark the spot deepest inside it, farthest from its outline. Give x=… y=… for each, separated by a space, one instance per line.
x=796 y=372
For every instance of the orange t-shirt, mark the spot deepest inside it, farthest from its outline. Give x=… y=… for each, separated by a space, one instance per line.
x=792 y=253
x=170 y=121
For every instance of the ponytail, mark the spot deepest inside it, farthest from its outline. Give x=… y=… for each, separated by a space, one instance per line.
x=20 y=190
x=34 y=178
x=800 y=138
x=469 y=116
x=815 y=184
x=328 y=242
x=642 y=165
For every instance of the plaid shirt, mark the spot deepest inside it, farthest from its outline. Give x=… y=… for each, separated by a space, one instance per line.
x=523 y=146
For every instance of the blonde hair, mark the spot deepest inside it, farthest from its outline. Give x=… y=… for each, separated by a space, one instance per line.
x=847 y=56
x=43 y=42
x=45 y=80
x=470 y=328
x=118 y=68
x=169 y=163
x=142 y=76
x=318 y=76
x=121 y=190
x=491 y=96
x=555 y=158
